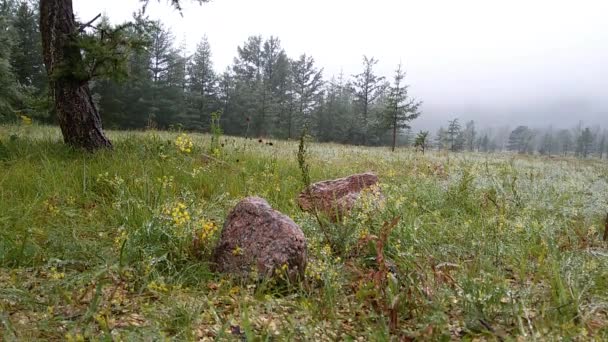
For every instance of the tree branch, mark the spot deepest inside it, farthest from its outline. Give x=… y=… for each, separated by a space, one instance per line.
x=84 y=26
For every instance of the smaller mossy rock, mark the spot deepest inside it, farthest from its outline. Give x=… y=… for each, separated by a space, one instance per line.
x=335 y=198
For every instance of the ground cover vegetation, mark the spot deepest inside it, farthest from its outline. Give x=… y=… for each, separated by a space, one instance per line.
x=116 y=245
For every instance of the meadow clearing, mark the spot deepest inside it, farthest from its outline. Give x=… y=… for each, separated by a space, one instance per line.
x=116 y=245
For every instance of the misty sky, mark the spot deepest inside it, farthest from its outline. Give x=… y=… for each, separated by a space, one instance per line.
x=534 y=62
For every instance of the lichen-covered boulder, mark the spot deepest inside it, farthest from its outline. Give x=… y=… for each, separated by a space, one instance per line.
x=335 y=198
x=257 y=237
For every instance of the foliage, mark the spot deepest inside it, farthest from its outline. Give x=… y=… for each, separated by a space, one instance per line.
x=148 y=80
x=421 y=141
x=368 y=88
x=216 y=133
x=520 y=140
x=401 y=109
x=9 y=93
x=584 y=143
x=104 y=50
x=454 y=136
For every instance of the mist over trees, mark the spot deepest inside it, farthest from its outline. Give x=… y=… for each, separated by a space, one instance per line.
x=578 y=141
x=265 y=92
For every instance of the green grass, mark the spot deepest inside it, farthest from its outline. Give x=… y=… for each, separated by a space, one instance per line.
x=487 y=246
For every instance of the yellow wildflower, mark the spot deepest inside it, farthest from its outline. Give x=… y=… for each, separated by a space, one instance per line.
x=55 y=275
x=237 y=251
x=26 y=120
x=184 y=143
x=178 y=214
x=216 y=152
x=159 y=286
x=74 y=337
x=208 y=229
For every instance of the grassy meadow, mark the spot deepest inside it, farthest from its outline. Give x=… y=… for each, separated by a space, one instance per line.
x=116 y=245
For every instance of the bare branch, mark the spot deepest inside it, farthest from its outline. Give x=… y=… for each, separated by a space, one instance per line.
x=88 y=24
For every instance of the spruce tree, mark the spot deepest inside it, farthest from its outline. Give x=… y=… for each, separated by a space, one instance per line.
x=469 y=134
x=72 y=61
x=400 y=109
x=441 y=139
x=9 y=90
x=202 y=86
x=564 y=140
x=307 y=83
x=368 y=88
x=248 y=73
x=585 y=143
x=421 y=141
x=454 y=136
x=26 y=54
x=520 y=140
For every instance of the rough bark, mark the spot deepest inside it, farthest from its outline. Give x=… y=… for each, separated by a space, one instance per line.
x=79 y=119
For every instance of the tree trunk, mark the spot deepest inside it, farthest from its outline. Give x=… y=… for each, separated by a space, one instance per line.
x=79 y=119
x=394 y=135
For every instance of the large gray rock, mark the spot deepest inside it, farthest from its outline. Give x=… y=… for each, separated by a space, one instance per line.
x=335 y=198
x=255 y=236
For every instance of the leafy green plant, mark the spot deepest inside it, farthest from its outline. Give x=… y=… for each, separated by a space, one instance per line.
x=305 y=174
x=216 y=133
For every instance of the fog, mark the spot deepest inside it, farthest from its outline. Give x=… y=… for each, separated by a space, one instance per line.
x=536 y=63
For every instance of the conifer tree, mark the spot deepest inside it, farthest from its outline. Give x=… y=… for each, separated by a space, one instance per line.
x=307 y=83
x=454 y=135
x=401 y=109
x=9 y=92
x=421 y=141
x=584 y=143
x=202 y=85
x=72 y=61
x=368 y=88
x=26 y=54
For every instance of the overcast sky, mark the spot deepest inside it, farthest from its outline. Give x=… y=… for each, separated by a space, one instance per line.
x=536 y=62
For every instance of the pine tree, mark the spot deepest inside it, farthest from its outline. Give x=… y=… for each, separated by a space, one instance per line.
x=565 y=141
x=454 y=136
x=585 y=143
x=520 y=140
x=172 y=104
x=307 y=83
x=166 y=70
x=233 y=121
x=282 y=100
x=248 y=73
x=73 y=59
x=421 y=141
x=127 y=103
x=67 y=67
x=339 y=123
x=401 y=109
x=546 y=145
x=469 y=135
x=27 y=62
x=273 y=59
x=202 y=88
x=327 y=121
x=368 y=88
x=485 y=144
x=9 y=92
x=441 y=139
x=26 y=54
